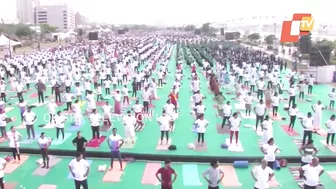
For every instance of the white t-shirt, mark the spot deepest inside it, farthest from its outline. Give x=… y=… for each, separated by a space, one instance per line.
x=107 y=109
x=52 y=108
x=129 y=121
x=275 y=100
x=95 y=119
x=164 y=122
x=14 y=139
x=235 y=123
x=200 y=125
x=307 y=123
x=262 y=176
x=318 y=108
x=2 y=163
x=59 y=121
x=260 y=109
x=331 y=126
x=137 y=108
x=200 y=109
x=117 y=97
x=43 y=142
x=293 y=111
x=248 y=99
x=227 y=110
x=146 y=95
x=79 y=168
x=29 y=117
x=312 y=174
x=270 y=152
x=169 y=108
x=3 y=122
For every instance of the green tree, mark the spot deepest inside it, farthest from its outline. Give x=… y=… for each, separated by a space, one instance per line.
x=254 y=37
x=46 y=28
x=305 y=43
x=189 y=28
x=237 y=35
x=206 y=28
x=23 y=31
x=269 y=39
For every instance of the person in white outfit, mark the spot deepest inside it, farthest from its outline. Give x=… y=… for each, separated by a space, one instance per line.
x=77 y=112
x=164 y=122
x=129 y=122
x=262 y=174
x=317 y=108
x=267 y=127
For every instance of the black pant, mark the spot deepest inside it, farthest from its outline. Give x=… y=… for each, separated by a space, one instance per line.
x=260 y=94
x=52 y=116
x=40 y=97
x=301 y=95
x=146 y=106
x=134 y=92
x=213 y=187
x=160 y=83
x=310 y=89
x=225 y=118
x=275 y=111
x=165 y=133
x=115 y=154
x=138 y=86
x=259 y=119
x=291 y=101
x=2 y=185
x=82 y=183
x=270 y=164
x=58 y=97
x=332 y=138
x=252 y=88
x=3 y=131
x=67 y=89
x=20 y=97
x=3 y=97
x=107 y=91
x=30 y=130
x=200 y=137
x=95 y=132
x=45 y=157
x=332 y=104
x=306 y=134
x=291 y=122
x=15 y=153
x=68 y=104
x=57 y=132
x=308 y=187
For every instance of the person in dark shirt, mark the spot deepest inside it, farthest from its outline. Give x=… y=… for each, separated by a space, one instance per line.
x=40 y=89
x=57 y=89
x=80 y=143
x=166 y=173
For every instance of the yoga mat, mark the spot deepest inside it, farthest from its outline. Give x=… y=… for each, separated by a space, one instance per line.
x=60 y=103
x=70 y=175
x=74 y=128
x=149 y=177
x=330 y=147
x=139 y=128
x=164 y=146
x=259 y=132
x=277 y=118
x=322 y=132
x=224 y=130
x=129 y=144
x=61 y=141
x=8 y=109
x=11 y=167
x=10 y=185
x=31 y=141
x=290 y=133
x=43 y=171
x=200 y=148
x=47 y=186
x=115 y=174
x=33 y=95
x=190 y=175
x=49 y=126
x=22 y=126
x=36 y=104
x=96 y=143
x=82 y=103
x=230 y=179
x=240 y=106
x=100 y=104
x=234 y=147
x=273 y=183
x=252 y=116
x=332 y=175
x=105 y=128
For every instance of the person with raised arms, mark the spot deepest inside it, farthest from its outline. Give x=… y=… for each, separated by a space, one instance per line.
x=115 y=142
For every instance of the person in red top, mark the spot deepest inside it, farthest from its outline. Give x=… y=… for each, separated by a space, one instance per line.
x=173 y=96
x=166 y=173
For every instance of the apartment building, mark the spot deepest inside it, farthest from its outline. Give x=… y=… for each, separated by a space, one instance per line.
x=25 y=10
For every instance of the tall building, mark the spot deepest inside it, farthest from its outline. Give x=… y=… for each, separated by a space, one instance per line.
x=80 y=19
x=60 y=16
x=25 y=10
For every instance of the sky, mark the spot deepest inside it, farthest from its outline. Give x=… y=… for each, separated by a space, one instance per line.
x=181 y=12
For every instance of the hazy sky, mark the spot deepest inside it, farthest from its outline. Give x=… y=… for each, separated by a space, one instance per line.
x=176 y=12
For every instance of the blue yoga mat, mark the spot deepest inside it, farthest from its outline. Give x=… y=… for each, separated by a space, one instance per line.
x=74 y=128
x=70 y=175
x=60 y=141
x=26 y=141
x=190 y=175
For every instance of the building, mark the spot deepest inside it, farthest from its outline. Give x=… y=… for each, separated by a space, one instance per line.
x=60 y=16
x=80 y=19
x=25 y=10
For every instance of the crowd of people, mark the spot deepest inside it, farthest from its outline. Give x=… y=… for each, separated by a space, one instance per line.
x=133 y=68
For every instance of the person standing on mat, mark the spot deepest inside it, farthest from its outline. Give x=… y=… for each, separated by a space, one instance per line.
x=59 y=123
x=14 y=138
x=52 y=106
x=79 y=169
x=292 y=112
x=270 y=149
x=40 y=89
x=311 y=173
x=95 y=120
x=259 y=110
x=115 y=142
x=129 y=122
x=307 y=124
x=317 y=108
x=308 y=152
x=331 y=126
x=275 y=104
x=3 y=164
x=164 y=122
x=267 y=127
x=213 y=175
x=201 y=124
x=79 y=142
x=30 y=117
x=235 y=123
x=165 y=174
x=292 y=94
x=261 y=175
x=227 y=111
x=44 y=144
